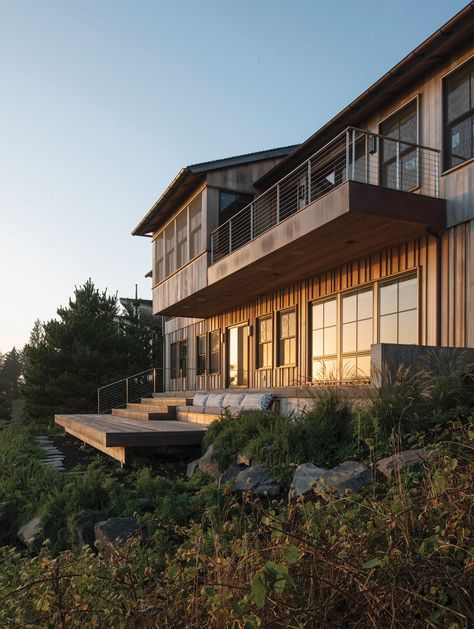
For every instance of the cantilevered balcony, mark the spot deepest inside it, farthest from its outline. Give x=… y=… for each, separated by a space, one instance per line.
x=358 y=194
x=354 y=155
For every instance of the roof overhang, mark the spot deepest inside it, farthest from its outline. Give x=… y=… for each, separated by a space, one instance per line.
x=433 y=50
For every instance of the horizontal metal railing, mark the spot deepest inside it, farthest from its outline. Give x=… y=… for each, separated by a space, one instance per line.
x=353 y=155
x=157 y=380
x=126 y=390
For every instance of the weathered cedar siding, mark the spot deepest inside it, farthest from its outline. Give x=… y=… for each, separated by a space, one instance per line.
x=415 y=255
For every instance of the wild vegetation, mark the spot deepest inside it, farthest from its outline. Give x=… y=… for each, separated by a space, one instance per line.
x=399 y=553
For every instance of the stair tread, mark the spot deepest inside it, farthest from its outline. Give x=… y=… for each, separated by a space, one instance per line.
x=144 y=415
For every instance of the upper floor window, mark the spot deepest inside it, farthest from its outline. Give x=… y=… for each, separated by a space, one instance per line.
x=399 y=160
x=264 y=342
x=179 y=242
x=287 y=337
x=459 y=116
x=195 y=235
x=230 y=203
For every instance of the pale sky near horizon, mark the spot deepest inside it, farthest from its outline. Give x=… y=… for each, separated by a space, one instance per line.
x=103 y=101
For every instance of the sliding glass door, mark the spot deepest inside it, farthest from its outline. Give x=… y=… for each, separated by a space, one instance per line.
x=237 y=356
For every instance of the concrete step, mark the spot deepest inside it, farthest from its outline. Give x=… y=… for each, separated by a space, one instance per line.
x=143 y=415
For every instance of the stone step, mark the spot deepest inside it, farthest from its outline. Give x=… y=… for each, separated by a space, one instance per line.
x=144 y=415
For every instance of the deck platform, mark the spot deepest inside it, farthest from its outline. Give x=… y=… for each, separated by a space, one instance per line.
x=115 y=436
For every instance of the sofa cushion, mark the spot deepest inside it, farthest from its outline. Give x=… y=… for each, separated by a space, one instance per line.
x=256 y=402
x=213 y=410
x=232 y=399
x=215 y=399
x=200 y=399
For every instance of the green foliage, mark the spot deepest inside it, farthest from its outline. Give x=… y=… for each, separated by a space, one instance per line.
x=89 y=345
x=10 y=373
x=323 y=435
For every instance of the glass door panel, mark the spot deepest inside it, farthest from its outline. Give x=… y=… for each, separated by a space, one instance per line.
x=237 y=356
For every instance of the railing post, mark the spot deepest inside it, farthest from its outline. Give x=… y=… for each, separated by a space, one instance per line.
x=126 y=390
x=347 y=153
x=230 y=236
x=437 y=155
x=353 y=153
x=398 y=165
x=154 y=379
x=98 y=401
x=278 y=203
x=367 y=172
x=212 y=248
x=309 y=181
x=251 y=221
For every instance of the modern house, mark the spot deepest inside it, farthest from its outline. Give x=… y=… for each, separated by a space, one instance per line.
x=314 y=264
x=294 y=266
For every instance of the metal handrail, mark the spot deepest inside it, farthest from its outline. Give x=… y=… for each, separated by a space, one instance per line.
x=342 y=154
x=121 y=392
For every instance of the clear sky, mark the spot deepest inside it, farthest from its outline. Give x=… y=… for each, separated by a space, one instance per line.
x=103 y=101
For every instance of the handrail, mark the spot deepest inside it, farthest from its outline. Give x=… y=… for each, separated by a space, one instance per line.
x=354 y=154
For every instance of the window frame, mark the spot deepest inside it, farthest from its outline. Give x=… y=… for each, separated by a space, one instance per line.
x=211 y=353
x=267 y=317
x=280 y=339
x=201 y=369
x=416 y=101
x=400 y=277
x=445 y=168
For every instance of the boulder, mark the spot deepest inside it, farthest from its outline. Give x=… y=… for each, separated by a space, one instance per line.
x=304 y=479
x=257 y=480
x=348 y=475
x=117 y=530
x=244 y=459
x=31 y=532
x=205 y=464
x=85 y=527
x=407 y=458
x=231 y=474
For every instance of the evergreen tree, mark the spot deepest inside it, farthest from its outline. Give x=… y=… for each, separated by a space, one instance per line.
x=10 y=373
x=68 y=358
x=5 y=399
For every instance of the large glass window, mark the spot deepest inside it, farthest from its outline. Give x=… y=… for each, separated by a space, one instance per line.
x=182 y=238
x=230 y=203
x=264 y=342
x=195 y=235
x=178 y=359
x=324 y=339
x=357 y=333
x=459 y=116
x=170 y=265
x=201 y=354
x=214 y=351
x=399 y=311
x=158 y=260
x=287 y=337
x=399 y=161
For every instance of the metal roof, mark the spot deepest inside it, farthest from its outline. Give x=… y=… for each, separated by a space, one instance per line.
x=188 y=177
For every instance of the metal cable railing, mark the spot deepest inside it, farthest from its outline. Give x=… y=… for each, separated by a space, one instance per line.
x=354 y=155
x=131 y=389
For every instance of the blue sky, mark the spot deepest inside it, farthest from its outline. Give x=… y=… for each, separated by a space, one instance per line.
x=103 y=101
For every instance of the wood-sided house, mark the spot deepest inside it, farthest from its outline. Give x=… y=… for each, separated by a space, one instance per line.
x=297 y=265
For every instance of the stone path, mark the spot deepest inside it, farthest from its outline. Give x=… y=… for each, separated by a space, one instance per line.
x=53 y=457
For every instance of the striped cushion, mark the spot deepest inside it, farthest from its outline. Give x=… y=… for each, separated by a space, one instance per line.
x=200 y=399
x=256 y=402
x=215 y=399
x=232 y=399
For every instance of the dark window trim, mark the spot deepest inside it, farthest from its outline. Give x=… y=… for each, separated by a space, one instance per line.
x=444 y=97
x=278 y=337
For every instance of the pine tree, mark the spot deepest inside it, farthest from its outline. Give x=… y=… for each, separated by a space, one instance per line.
x=5 y=399
x=10 y=373
x=68 y=358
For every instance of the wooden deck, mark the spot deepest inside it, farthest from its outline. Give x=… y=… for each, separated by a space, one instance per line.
x=114 y=435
